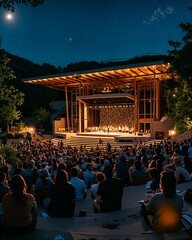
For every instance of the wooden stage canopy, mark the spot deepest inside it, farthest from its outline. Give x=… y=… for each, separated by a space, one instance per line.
x=139 y=84
x=115 y=77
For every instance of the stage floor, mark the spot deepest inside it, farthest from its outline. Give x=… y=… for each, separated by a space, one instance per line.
x=117 y=136
x=111 y=134
x=105 y=134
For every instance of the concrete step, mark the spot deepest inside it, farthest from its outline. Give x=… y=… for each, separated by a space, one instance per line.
x=119 y=236
x=120 y=225
x=89 y=142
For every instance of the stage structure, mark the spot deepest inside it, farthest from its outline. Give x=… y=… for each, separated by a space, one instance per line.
x=124 y=98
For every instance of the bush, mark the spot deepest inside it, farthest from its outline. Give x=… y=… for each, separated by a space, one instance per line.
x=10 y=154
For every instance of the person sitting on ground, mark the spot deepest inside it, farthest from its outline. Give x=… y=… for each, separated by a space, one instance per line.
x=79 y=185
x=42 y=186
x=12 y=169
x=166 y=206
x=181 y=174
x=99 y=178
x=19 y=208
x=158 y=155
x=136 y=171
x=61 y=200
x=154 y=175
x=122 y=170
x=109 y=193
x=54 y=168
x=27 y=174
x=4 y=188
x=89 y=176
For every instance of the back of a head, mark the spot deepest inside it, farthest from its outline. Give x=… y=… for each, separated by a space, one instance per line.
x=61 y=177
x=177 y=161
x=62 y=166
x=100 y=176
x=17 y=171
x=137 y=164
x=122 y=157
x=154 y=172
x=108 y=171
x=18 y=184
x=89 y=167
x=168 y=183
x=74 y=172
x=29 y=165
x=157 y=150
x=43 y=173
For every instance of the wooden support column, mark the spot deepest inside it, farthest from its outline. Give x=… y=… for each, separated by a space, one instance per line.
x=85 y=117
x=80 y=116
x=72 y=120
x=76 y=111
x=67 y=107
x=83 y=114
x=157 y=99
x=154 y=100
x=136 y=113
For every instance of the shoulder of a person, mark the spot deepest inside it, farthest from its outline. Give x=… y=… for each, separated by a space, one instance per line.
x=94 y=185
x=158 y=195
x=50 y=180
x=7 y=196
x=179 y=196
x=69 y=184
x=29 y=195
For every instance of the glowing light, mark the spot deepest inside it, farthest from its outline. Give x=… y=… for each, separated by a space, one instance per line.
x=172 y=132
x=9 y=16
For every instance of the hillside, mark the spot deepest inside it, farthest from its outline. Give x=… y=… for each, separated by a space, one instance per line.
x=35 y=96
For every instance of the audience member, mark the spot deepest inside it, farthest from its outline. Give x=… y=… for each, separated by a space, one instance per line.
x=12 y=169
x=53 y=169
x=42 y=186
x=181 y=174
x=99 y=178
x=4 y=188
x=154 y=175
x=61 y=200
x=122 y=170
x=190 y=151
x=89 y=176
x=109 y=193
x=166 y=206
x=136 y=171
x=79 y=185
x=27 y=174
x=19 y=208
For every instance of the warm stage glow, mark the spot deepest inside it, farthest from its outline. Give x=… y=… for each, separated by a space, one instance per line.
x=172 y=132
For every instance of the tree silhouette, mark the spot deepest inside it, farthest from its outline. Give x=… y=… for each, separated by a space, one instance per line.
x=10 y=97
x=180 y=98
x=9 y=5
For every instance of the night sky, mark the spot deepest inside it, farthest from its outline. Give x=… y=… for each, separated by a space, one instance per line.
x=60 y=32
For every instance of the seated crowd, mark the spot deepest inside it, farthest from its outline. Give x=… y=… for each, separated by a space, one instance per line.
x=56 y=177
